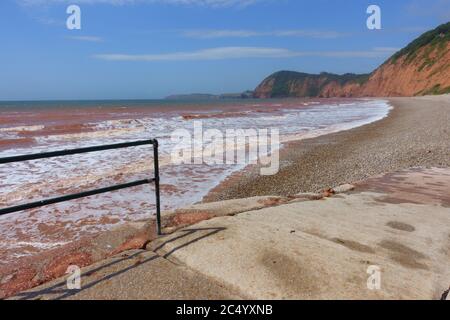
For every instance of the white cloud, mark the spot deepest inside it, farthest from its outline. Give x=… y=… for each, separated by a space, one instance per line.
x=224 y=53
x=86 y=38
x=209 y=3
x=439 y=9
x=387 y=49
x=207 y=54
x=211 y=34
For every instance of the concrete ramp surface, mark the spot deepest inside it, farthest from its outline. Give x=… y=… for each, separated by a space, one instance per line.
x=399 y=223
x=387 y=239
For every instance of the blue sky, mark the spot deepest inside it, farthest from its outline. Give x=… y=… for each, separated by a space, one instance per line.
x=138 y=49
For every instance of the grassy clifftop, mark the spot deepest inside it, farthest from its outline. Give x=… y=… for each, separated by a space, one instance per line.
x=437 y=38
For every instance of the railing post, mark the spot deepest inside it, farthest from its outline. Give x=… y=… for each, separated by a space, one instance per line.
x=158 y=202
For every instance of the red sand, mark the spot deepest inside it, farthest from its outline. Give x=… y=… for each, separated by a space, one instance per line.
x=16 y=143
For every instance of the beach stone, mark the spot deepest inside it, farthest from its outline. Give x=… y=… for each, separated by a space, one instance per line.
x=326 y=193
x=344 y=188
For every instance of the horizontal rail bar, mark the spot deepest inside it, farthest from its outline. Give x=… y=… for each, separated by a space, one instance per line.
x=74 y=151
x=41 y=203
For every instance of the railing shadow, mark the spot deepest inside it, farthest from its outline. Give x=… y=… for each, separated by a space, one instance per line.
x=61 y=287
x=188 y=232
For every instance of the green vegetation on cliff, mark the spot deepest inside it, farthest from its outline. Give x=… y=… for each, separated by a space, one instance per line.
x=421 y=68
x=283 y=81
x=435 y=90
x=436 y=38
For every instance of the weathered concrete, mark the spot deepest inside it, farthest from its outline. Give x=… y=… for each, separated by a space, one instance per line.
x=297 y=250
x=229 y=207
x=36 y=270
x=322 y=249
x=134 y=275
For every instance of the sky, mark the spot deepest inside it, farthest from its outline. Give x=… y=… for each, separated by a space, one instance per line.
x=148 y=49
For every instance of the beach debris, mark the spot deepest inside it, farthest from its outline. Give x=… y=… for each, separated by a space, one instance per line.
x=326 y=193
x=343 y=188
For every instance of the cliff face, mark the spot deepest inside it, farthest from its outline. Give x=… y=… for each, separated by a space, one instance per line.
x=427 y=71
x=296 y=84
x=421 y=68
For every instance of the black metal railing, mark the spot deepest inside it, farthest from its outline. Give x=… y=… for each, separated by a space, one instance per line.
x=84 y=194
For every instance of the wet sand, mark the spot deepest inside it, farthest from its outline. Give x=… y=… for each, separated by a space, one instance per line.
x=415 y=134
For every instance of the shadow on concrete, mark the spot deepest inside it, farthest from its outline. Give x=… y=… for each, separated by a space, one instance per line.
x=60 y=288
x=187 y=232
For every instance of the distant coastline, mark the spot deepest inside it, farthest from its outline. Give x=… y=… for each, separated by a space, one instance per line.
x=419 y=69
x=206 y=96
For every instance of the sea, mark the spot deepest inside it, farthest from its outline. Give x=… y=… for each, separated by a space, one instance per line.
x=28 y=127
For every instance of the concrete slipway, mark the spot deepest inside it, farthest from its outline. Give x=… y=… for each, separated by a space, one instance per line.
x=299 y=248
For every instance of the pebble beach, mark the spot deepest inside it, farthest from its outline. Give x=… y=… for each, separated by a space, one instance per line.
x=415 y=134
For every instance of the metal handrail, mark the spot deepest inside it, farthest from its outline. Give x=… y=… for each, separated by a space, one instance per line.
x=84 y=194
